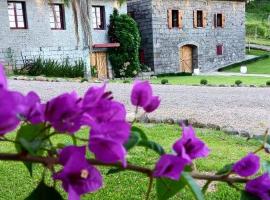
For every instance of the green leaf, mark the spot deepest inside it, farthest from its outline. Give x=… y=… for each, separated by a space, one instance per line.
x=247 y=196
x=226 y=169
x=266 y=166
x=135 y=129
x=132 y=141
x=167 y=188
x=152 y=145
x=29 y=140
x=44 y=192
x=205 y=187
x=195 y=189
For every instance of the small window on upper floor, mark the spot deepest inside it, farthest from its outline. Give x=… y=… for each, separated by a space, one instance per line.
x=175 y=19
x=57 y=17
x=219 y=49
x=199 y=19
x=17 y=15
x=219 y=20
x=98 y=15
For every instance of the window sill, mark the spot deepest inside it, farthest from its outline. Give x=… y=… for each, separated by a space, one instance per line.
x=18 y=28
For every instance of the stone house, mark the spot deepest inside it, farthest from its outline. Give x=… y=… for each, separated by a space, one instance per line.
x=183 y=35
x=29 y=29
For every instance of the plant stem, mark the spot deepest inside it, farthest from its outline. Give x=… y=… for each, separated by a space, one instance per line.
x=151 y=179
x=49 y=161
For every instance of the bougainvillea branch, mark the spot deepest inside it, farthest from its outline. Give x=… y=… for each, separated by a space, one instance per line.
x=109 y=141
x=48 y=161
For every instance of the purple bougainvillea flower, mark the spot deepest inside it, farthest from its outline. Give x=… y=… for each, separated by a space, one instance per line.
x=119 y=131
x=64 y=113
x=260 y=187
x=78 y=176
x=93 y=96
x=247 y=166
x=106 y=111
x=107 y=150
x=170 y=166
x=3 y=79
x=152 y=105
x=11 y=107
x=189 y=146
x=34 y=109
x=141 y=93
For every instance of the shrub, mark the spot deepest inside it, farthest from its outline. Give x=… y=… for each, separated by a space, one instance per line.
x=52 y=68
x=268 y=83
x=164 y=81
x=126 y=81
x=204 y=82
x=94 y=72
x=238 y=82
x=124 y=59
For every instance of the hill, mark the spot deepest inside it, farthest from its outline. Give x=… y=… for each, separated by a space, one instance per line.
x=258 y=21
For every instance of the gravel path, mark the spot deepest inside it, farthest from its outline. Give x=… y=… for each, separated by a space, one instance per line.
x=244 y=109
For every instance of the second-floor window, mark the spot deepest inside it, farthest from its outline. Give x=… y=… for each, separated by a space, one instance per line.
x=200 y=19
x=219 y=20
x=57 y=17
x=175 y=19
x=98 y=15
x=17 y=15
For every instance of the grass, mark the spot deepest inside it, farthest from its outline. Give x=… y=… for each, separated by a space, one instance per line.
x=258 y=67
x=260 y=41
x=214 y=80
x=16 y=183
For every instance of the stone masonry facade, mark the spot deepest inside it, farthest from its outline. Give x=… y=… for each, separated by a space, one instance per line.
x=162 y=45
x=39 y=40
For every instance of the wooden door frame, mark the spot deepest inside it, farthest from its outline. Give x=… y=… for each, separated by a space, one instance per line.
x=194 y=56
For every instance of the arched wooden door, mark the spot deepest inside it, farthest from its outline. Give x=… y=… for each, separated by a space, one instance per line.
x=186 y=58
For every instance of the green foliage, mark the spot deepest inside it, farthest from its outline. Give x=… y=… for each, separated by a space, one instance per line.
x=167 y=188
x=238 y=82
x=94 y=72
x=124 y=59
x=44 y=192
x=126 y=81
x=174 y=74
x=139 y=138
x=52 y=68
x=268 y=83
x=164 y=81
x=203 y=82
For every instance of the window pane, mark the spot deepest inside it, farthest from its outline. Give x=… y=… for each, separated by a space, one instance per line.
x=20 y=19
x=18 y=6
x=21 y=24
x=56 y=19
x=12 y=24
x=11 y=18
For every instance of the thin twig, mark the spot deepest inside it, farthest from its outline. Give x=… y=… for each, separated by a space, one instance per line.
x=151 y=179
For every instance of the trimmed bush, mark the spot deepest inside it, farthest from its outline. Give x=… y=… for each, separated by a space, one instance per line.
x=126 y=81
x=268 y=83
x=124 y=59
x=203 y=82
x=52 y=68
x=164 y=81
x=174 y=74
x=238 y=82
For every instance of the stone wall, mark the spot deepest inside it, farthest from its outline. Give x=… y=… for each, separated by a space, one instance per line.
x=167 y=42
x=38 y=39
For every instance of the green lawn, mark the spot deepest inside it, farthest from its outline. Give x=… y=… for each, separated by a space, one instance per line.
x=214 y=80
x=260 y=41
x=258 y=67
x=16 y=183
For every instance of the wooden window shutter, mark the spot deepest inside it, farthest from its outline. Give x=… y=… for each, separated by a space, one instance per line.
x=180 y=19
x=170 y=19
x=223 y=20
x=215 y=20
x=204 y=19
x=195 y=23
